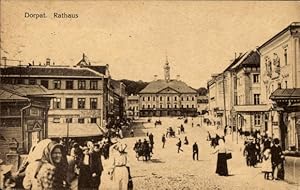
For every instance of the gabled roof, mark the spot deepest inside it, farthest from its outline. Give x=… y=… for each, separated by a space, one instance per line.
x=292 y=26
x=45 y=71
x=158 y=85
x=250 y=58
x=9 y=92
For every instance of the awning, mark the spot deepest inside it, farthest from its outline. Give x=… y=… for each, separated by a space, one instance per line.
x=75 y=130
x=252 y=108
x=286 y=94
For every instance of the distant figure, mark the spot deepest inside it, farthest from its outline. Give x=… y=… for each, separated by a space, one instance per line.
x=132 y=133
x=186 y=142
x=163 y=140
x=179 y=146
x=195 y=151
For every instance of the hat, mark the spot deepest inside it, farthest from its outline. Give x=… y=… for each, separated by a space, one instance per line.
x=121 y=147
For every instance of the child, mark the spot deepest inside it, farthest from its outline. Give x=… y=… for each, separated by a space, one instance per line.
x=267 y=164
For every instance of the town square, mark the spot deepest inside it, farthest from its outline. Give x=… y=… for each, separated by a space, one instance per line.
x=122 y=95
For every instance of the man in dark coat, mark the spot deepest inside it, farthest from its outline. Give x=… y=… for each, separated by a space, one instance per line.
x=195 y=151
x=163 y=140
x=146 y=150
x=277 y=160
x=96 y=167
x=179 y=146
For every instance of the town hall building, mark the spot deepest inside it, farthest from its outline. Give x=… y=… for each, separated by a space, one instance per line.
x=168 y=97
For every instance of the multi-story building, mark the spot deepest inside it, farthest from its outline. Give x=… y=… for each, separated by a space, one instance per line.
x=248 y=112
x=77 y=109
x=220 y=96
x=113 y=92
x=132 y=106
x=280 y=85
x=23 y=116
x=202 y=102
x=168 y=97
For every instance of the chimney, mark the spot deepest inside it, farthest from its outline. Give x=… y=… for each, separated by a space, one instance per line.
x=48 y=61
x=33 y=63
x=177 y=77
x=155 y=77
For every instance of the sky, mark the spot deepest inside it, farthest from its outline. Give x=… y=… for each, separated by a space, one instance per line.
x=200 y=38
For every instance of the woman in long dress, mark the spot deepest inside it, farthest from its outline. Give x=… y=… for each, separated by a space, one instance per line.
x=221 y=149
x=118 y=170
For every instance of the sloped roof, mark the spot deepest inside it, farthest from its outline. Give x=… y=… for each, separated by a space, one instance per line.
x=49 y=71
x=159 y=85
x=250 y=58
x=22 y=92
x=98 y=68
x=75 y=130
x=290 y=93
x=10 y=96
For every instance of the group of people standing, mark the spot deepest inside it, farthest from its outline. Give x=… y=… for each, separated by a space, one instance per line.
x=49 y=166
x=145 y=148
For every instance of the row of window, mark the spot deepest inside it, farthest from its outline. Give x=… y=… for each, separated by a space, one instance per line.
x=168 y=106
x=168 y=98
x=57 y=84
x=72 y=120
x=80 y=103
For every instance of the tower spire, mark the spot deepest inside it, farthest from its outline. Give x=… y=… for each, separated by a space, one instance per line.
x=167 y=70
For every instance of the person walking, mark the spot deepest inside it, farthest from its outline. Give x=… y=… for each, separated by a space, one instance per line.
x=163 y=140
x=195 y=151
x=151 y=140
x=179 y=146
x=118 y=171
x=221 y=149
x=277 y=159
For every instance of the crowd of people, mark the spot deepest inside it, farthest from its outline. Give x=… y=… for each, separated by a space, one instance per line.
x=72 y=164
x=268 y=153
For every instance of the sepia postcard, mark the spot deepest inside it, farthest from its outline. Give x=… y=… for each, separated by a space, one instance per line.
x=147 y=95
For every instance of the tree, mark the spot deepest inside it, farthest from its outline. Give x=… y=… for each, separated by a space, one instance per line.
x=202 y=91
x=133 y=87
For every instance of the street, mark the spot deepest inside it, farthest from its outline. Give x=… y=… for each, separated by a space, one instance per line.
x=171 y=170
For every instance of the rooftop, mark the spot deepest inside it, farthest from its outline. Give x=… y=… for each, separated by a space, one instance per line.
x=49 y=71
x=10 y=92
x=159 y=85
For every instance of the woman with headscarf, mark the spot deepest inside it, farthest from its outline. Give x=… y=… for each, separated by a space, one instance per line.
x=221 y=149
x=53 y=154
x=119 y=166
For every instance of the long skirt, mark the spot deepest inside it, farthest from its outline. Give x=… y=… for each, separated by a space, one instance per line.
x=120 y=178
x=84 y=178
x=222 y=169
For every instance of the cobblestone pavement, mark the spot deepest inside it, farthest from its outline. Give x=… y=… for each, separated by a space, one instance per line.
x=170 y=170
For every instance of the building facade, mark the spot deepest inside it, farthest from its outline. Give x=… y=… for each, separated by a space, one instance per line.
x=280 y=84
x=24 y=116
x=132 y=106
x=78 y=96
x=168 y=97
